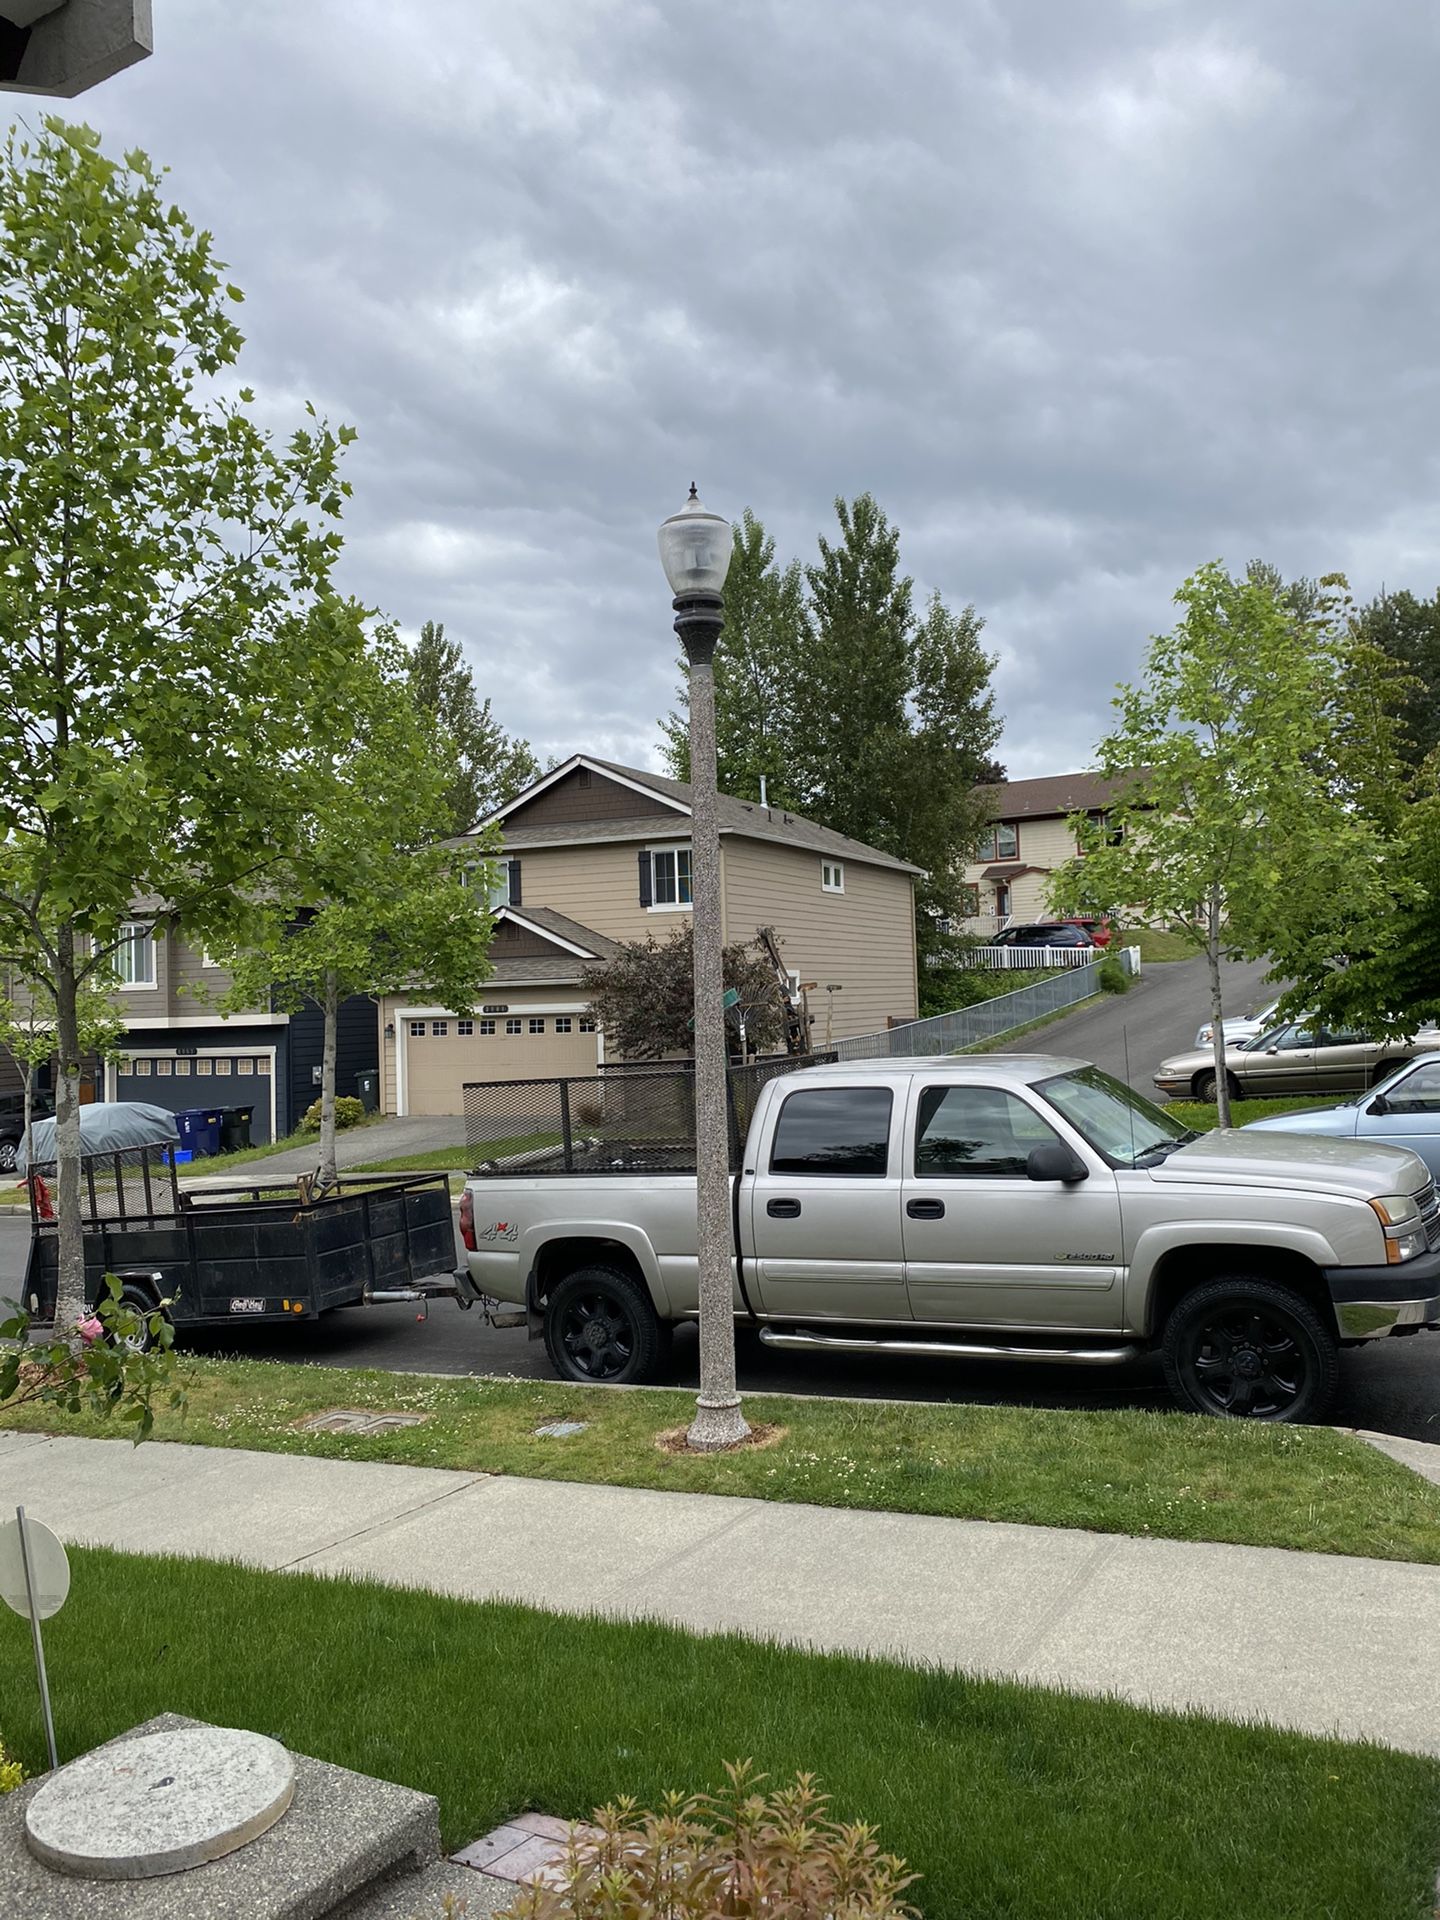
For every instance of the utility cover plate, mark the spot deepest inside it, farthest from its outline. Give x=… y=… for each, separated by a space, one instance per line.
x=349 y=1420
x=561 y=1429
x=159 y=1803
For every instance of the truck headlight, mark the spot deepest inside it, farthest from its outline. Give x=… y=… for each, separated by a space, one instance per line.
x=1402 y=1226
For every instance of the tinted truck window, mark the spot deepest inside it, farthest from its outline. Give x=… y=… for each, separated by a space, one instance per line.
x=834 y=1130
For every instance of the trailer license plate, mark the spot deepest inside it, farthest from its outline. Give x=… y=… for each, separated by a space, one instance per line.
x=243 y=1303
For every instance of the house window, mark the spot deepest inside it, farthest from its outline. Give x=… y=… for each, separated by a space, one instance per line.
x=487 y=1027
x=665 y=877
x=135 y=956
x=832 y=876
x=1000 y=843
x=205 y=959
x=440 y=1029
x=464 y=1028
x=1109 y=836
x=141 y=1068
x=562 y=1023
x=537 y=1026
x=417 y=1029
x=586 y=1026
x=512 y=1025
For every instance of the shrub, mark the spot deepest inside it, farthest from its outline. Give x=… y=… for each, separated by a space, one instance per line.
x=349 y=1112
x=744 y=1853
x=1112 y=975
x=11 y=1771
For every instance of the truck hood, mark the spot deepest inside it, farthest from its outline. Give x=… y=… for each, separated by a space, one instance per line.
x=1239 y=1157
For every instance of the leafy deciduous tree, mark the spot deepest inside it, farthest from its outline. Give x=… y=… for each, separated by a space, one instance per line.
x=1235 y=823
x=643 y=997
x=156 y=685
x=371 y=898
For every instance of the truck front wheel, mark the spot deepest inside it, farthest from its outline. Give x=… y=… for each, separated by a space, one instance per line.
x=1246 y=1349
x=600 y=1326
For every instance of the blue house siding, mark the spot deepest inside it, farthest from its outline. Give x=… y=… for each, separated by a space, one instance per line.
x=357 y=1050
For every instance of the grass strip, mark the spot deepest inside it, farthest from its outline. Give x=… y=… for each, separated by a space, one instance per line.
x=1172 y=1475
x=1014 y=1803
x=1203 y=1116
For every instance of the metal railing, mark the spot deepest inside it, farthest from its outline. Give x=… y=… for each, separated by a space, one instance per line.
x=986 y=1020
x=641 y=1120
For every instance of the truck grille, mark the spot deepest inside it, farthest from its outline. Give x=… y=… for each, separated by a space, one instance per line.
x=1430 y=1216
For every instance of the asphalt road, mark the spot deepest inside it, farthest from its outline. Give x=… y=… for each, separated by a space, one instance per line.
x=1390 y=1387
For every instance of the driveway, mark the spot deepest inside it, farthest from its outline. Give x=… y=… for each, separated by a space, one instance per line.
x=387 y=1139
x=1129 y=1034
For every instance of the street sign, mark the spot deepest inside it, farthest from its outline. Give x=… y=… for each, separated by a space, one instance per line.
x=34 y=1580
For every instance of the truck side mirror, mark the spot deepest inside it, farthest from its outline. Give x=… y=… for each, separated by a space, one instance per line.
x=1055 y=1161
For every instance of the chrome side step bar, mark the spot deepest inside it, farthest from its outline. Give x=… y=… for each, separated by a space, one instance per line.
x=950 y=1349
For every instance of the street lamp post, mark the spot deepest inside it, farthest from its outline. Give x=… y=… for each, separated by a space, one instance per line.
x=695 y=551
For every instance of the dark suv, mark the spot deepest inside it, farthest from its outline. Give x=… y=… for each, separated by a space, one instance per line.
x=12 y=1123
x=1044 y=933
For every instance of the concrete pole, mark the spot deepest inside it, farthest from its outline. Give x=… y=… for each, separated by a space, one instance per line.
x=718 y=1420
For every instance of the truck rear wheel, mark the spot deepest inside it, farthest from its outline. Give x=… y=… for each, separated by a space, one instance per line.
x=1246 y=1349
x=600 y=1327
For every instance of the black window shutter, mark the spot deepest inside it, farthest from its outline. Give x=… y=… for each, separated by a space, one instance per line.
x=514 y=895
x=646 y=896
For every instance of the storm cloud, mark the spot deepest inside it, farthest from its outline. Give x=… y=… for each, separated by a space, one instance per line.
x=1084 y=295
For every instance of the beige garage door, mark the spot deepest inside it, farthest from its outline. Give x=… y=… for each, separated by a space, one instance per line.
x=449 y=1052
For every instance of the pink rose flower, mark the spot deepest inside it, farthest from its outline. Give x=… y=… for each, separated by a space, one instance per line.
x=89 y=1329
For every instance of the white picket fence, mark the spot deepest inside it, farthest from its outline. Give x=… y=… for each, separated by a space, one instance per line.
x=1031 y=959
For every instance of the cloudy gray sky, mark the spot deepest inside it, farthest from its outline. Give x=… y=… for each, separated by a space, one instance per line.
x=1085 y=295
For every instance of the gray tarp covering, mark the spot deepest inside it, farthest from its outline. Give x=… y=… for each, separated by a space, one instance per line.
x=106 y=1126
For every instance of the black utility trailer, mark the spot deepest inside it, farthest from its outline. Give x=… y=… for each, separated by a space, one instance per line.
x=248 y=1252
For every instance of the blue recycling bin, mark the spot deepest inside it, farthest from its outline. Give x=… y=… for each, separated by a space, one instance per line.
x=199 y=1129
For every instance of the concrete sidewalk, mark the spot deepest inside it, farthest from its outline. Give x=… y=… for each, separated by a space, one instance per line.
x=1310 y=1641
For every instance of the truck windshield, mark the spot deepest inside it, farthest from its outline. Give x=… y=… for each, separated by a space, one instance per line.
x=1128 y=1129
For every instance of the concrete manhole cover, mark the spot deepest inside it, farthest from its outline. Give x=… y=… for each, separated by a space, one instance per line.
x=348 y=1420
x=561 y=1429
x=159 y=1803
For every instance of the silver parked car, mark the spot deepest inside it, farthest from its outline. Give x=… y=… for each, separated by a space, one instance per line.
x=1300 y=1057
x=1402 y=1111
x=1239 y=1029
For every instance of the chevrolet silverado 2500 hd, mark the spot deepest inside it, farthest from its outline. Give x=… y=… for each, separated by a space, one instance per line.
x=1006 y=1207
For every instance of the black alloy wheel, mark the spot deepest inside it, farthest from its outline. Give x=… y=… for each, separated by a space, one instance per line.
x=1247 y=1349
x=601 y=1328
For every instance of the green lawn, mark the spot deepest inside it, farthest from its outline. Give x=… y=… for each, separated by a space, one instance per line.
x=1154 y=945
x=460 y=1158
x=1013 y=1803
x=1202 y=1115
x=1168 y=1474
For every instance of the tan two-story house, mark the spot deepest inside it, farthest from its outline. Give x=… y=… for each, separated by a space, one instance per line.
x=1029 y=837
x=595 y=854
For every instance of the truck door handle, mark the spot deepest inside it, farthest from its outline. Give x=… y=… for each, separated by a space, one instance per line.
x=925 y=1209
x=783 y=1209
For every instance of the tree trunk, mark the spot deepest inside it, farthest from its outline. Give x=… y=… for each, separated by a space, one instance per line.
x=70 y=1296
x=718 y=1420
x=1217 y=1014
x=27 y=1077
x=328 y=1172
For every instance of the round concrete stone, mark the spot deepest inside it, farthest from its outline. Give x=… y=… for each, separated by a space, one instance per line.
x=159 y=1803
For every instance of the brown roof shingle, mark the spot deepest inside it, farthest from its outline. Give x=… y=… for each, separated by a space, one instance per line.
x=1054 y=795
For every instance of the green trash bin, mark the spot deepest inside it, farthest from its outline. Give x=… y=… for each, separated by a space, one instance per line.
x=367 y=1088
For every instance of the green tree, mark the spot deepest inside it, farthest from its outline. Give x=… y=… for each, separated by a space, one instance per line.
x=1235 y=824
x=490 y=766
x=27 y=1032
x=862 y=714
x=372 y=897
x=1407 y=630
x=765 y=649
x=643 y=997
x=156 y=548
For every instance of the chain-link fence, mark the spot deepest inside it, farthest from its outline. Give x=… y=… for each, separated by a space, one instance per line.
x=986 y=1020
x=641 y=1120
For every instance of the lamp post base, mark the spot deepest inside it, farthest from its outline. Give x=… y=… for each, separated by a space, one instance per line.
x=717 y=1426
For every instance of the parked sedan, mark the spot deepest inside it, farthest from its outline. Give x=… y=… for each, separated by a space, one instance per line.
x=1296 y=1058
x=1402 y=1111
x=1044 y=933
x=1237 y=1030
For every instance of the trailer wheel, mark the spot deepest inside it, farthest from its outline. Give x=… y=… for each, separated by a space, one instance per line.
x=600 y=1326
x=138 y=1301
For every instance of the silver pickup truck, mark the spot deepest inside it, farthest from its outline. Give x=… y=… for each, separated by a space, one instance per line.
x=1007 y=1207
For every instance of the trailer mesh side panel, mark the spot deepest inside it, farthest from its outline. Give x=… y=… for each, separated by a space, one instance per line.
x=638 y=1120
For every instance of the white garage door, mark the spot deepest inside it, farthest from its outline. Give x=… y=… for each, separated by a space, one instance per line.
x=442 y=1053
